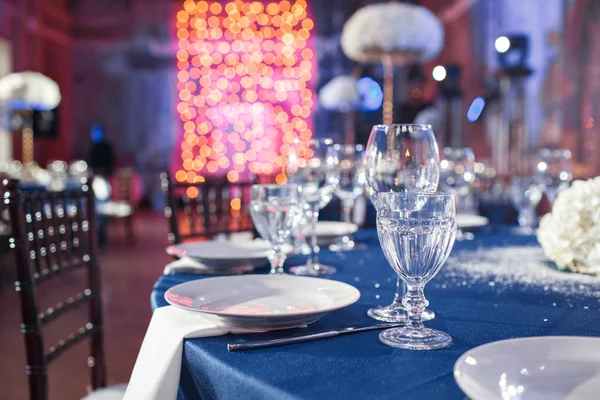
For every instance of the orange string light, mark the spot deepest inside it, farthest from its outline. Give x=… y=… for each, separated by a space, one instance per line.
x=244 y=86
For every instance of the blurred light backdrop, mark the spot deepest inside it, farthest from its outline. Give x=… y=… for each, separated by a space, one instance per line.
x=245 y=73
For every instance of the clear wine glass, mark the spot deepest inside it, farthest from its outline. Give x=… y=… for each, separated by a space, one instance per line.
x=300 y=232
x=314 y=167
x=457 y=171
x=525 y=194
x=554 y=171
x=350 y=188
x=275 y=210
x=416 y=232
x=401 y=158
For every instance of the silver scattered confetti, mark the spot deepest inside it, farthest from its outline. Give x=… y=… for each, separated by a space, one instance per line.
x=506 y=267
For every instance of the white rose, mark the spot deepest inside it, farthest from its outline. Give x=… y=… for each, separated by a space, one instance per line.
x=570 y=234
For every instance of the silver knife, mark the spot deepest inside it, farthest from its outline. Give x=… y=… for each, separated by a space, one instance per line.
x=260 y=344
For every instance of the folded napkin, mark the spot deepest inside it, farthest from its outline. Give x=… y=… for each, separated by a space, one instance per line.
x=156 y=372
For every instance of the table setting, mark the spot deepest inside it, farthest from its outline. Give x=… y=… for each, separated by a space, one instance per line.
x=230 y=327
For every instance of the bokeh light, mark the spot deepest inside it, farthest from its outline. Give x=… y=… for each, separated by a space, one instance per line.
x=245 y=86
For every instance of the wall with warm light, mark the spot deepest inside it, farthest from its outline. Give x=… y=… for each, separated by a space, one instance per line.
x=244 y=83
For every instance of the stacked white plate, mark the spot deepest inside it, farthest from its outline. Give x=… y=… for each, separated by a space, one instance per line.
x=263 y=301
x=470 y=221
x=222 y=256
x=537 y=368
x=329 y=231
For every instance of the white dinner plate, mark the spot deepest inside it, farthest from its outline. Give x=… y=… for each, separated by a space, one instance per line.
x=263 y=301
x=537 y=368
x=329 y=231
x=469 y=221
x=223 y=254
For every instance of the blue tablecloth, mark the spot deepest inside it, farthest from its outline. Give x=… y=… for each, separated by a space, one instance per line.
x=358 y=366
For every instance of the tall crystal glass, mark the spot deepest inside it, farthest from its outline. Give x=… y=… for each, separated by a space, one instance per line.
x=554 y=171
x=351 y=187
x=401 y=158
x=416 y=232
x=314 y=167
x=275 y=210
x=526 y=193
x=458 y=175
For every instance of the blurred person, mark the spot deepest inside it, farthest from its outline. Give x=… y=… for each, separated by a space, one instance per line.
x=101 y=158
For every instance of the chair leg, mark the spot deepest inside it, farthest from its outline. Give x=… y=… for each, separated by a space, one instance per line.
x=129 y=228
x=102 y=232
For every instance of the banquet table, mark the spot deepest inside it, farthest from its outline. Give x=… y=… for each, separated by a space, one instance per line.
x=472 y=309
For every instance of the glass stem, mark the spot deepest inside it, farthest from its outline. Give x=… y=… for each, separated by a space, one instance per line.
x=314 y=249
x=415 y=304
x=347 y=206
x=400 y=292
x=527 y=217
x=277 y=258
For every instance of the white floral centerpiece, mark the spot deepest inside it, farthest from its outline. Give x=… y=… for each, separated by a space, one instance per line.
x=570 y=234
x=394 y=34
x=28 y=91
x=406 y=32
x=340 y=94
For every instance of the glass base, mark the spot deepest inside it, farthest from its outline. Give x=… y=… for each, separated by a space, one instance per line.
x=313 y=270
x=395 y=313
x=347 y=244
x=462 y=235
x=303 y=249
x=412 y=339
x=523 y=231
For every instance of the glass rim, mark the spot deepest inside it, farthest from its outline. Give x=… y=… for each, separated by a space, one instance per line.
x=355 y=147
x=327 y=140
x=274 y=185
x=421 y=126
x=407 y=195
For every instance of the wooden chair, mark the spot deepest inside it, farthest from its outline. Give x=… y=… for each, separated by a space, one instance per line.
x=6 y=262
x=201 y=210
x=54 y=233
x=120 y=205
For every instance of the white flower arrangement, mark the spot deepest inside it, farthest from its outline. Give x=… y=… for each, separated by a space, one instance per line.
x=397 y=29
x=340 y=94
x=570 y=234
x=29 y=90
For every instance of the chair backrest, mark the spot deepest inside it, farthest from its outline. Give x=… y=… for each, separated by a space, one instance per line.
x=200 y=210
x=54 y=233
x=4 y=224
x=123 y=186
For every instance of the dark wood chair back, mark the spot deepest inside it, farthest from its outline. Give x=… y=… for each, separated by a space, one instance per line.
x=54 y=233
x=6 y=264
x=123 y=189
x=201 y=210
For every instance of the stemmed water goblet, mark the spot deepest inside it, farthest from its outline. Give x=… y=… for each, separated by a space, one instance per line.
x=275 y=210
x=400 y=158
x=314 y=167
x=554 y=171
x=351 y=186
x=525 y=194
x=416 y=232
